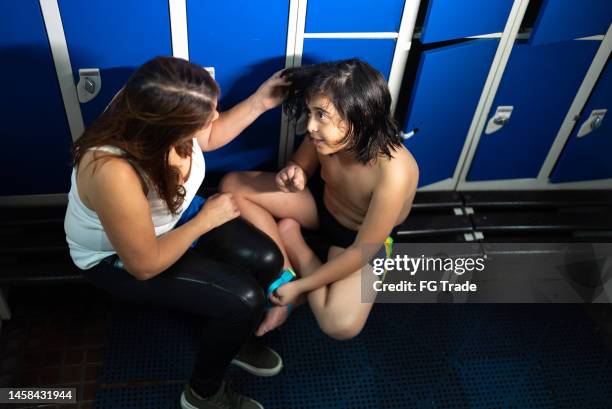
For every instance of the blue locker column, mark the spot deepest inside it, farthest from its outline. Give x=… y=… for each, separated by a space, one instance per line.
x=587 y=157
x=447 y=89
x=35 y=136
x=246 y=43
x=452 y=19
x=540 y=82
x=115 y=36
x=561 y=20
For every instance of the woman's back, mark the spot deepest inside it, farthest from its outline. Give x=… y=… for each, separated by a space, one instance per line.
x=87 y=240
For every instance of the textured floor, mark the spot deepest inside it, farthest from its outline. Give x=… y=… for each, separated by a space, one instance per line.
x=408 y=356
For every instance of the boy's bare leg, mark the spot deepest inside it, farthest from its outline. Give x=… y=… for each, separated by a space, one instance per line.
x=338 y=307
x=260 y=201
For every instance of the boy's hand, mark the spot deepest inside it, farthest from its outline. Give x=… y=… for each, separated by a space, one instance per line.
x=291 y=179
x=286 y=294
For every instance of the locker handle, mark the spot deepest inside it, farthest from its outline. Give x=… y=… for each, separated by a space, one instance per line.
x=592 y=123
x=596 y=122
x=499 y=119
x=89 y=84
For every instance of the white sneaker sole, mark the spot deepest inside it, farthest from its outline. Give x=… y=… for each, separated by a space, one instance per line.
x=260 y=371
x=187 y=405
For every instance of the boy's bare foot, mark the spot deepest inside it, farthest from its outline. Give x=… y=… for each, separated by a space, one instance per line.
x=275 y=317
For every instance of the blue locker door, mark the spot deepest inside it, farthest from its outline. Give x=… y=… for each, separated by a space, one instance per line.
x=540 y=83
x=246 y=42
x=588 y=157
x=35 y=136
x=351 y=16
x=448 y=86
x=452 y=19
x=561 y=20
x=116 y=36
x=377 y=53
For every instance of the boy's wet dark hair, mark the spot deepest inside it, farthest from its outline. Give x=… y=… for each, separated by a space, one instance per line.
x=360 y=95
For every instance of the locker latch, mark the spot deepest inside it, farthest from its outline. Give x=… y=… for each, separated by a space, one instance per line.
x=89 y=84
x=592 y=123
x=501 y=118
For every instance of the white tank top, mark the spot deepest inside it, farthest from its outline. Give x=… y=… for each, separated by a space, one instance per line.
x=85 y=235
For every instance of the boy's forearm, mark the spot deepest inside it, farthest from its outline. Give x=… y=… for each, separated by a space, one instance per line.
x=336 y=269
x=306 y=158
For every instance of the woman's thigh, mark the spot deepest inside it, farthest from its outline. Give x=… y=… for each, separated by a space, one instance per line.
x=260 y=188
x=193 y=284
x=243 y=245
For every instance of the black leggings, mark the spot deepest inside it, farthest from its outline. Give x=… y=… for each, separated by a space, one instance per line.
x=222 y=279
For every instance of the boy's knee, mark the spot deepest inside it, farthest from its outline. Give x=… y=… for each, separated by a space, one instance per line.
x=230 y=182
x=342 y=327
x=288 y=224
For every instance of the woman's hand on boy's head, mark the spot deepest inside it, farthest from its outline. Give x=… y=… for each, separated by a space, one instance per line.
x=271 y=93
x=291 y=179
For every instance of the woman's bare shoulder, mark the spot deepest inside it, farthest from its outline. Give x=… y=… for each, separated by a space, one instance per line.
x=101 y=173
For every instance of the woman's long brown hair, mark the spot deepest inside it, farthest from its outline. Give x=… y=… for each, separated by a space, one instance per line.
x=165 y=101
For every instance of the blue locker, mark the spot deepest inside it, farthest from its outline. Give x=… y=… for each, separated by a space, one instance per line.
x=378 y=53
x=447 y=89
x=246 y=43
x=350 y=16
x=540 y=83
x=561 y=20
x=35 y=136
x=452 y=19
x=588 y=157
x=116 y=36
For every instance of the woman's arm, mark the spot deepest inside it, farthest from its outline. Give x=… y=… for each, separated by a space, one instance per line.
x=115 y=193
x=230 y=123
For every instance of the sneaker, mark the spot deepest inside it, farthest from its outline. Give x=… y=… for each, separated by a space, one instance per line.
x=258 y=359
x=223 y=399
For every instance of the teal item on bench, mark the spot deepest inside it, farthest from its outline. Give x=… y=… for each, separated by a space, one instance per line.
x=194 y=208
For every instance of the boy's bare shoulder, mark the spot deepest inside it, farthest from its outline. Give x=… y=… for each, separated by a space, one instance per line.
x=402 y=167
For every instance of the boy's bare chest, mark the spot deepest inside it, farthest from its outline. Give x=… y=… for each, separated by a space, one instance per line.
x=352 y=184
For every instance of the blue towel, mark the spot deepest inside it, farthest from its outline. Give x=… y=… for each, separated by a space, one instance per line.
x=194 y=207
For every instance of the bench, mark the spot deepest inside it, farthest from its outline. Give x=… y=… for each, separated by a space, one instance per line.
x=555 y=216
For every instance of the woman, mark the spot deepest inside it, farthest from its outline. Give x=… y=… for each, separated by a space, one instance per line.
x=136 y=228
